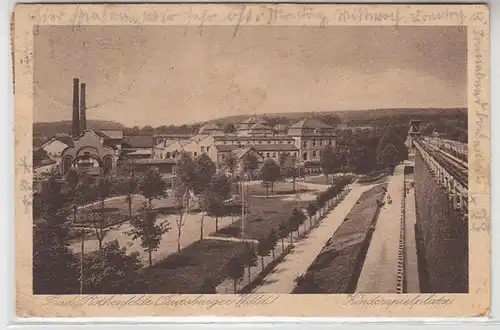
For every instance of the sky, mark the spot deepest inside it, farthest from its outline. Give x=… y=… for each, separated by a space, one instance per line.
x=171 y=75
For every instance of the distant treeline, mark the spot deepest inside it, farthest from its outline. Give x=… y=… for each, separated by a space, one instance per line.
x=452 y=123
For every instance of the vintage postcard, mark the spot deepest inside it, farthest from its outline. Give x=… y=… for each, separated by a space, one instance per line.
x=252 y=160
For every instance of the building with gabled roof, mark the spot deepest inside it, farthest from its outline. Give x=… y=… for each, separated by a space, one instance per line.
x=211 y=129
x=311 y=137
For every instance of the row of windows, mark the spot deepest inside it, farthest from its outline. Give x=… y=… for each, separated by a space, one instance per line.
x=259 y=142
x=268 y=155
x=318 y=142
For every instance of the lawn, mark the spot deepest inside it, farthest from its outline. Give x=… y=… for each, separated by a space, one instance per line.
x=336 y=269
x=117 y=211
x=280 y=188
x=184 y=272
x=264 y=214
x=321 y=179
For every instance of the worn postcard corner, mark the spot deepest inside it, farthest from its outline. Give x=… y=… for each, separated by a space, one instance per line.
x=252 y=160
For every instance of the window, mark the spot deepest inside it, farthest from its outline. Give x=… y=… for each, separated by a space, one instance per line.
x=195 y=154
x=289 y=142
x=223 y=157
x=295 y=153
x=314 y=154
x=274 y=155
x=329 y=142
x=224 y=142
x=168 y=154
x=314 y=143
x=320 y=142
x=268 y=155
x=304 y=156
x=269 y=142
x=208 y=148
x=86 y=154
x=305 y=144
x=260 y=142
x=202 y=149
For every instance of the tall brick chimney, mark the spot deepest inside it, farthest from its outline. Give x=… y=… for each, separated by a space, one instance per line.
x=83 y=108
x=76 y=105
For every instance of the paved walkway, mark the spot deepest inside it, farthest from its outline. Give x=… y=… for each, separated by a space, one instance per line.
x=282 y=279
x=378 y=274
x=232 y=239
x=411 y=261
x=190 y=234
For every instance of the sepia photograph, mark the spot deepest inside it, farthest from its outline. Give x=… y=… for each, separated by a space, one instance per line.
x=318 y=185
x=284 y=159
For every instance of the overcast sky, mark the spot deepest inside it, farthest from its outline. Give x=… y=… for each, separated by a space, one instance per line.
x=170 y=75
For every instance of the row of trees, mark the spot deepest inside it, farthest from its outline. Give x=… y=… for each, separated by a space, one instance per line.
x=266 y=245
x=81 y=194
x=365 y=152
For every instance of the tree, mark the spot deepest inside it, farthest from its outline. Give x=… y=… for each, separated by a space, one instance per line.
x=231 y=163
x=296 y=219
x=250 y=163
x=39 y=155
x=391 y=136
x=213 y=200
x=289 y=168
x=272 y=238
x=320 y=203
x=208 y=286
x=311 y=211
x=263 y=249
x=283 y=232
x=147 y=130
x=129 y=185
x=215 y=208
x=71 y=179
x=85 y=193
x=186 y=171
x=269 y=173
x=249 y=258
x=388 y=155
x=130 y=189
x=99 y=222
x=236 y=270
x=182 y=199
x=152 y=186
x=327 y=161
x=103 y=187
x=204 y=170
x=55 y=267
x=111 y=271
x=146 y=228
x=51 y=197
x=185 y=186
x=342 y=157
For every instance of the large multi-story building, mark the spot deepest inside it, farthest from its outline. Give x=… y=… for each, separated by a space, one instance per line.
x=311 y=136
x=303 y=140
